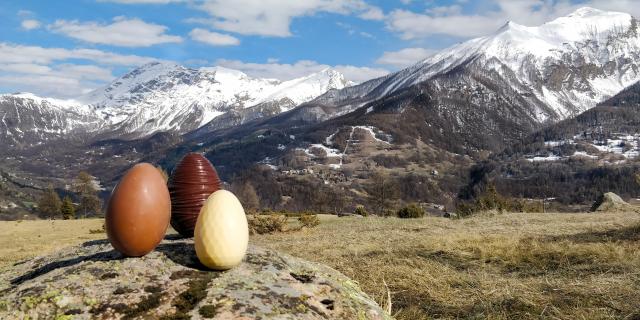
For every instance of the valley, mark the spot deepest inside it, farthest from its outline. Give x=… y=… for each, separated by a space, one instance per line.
x=373 y=160
x=489 y=111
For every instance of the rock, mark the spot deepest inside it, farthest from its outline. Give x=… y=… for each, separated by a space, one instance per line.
x=349 y=214
x=611 y=202
x=94 y=281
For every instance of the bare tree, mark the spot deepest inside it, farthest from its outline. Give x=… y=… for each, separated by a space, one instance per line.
x=248 y=196
x=49 y=204
x=86 y=189
x=382 y=192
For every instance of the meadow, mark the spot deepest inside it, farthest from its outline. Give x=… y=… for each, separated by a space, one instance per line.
x=503 y=266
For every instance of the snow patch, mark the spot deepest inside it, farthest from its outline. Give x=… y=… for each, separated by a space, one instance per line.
x=551 y=157
x=331 y=153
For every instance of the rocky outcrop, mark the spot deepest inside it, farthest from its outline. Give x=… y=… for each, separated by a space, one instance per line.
x=611 y=202
x=94 y=281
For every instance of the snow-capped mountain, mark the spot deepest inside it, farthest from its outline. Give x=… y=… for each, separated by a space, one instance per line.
x=169 y=97
x=27 y=120
x=564 y=67
x=157 y=97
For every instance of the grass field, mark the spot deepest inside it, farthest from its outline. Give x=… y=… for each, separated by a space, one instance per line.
x=568 y=266
x=24 y=239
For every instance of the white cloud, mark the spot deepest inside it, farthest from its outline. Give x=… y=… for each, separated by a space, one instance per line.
x=351 y=30
x=367 y=35
x=450 y=20
x=373 y=13
x=285 y=71
x=13 y=53
x=111 y=58
x=405 y=57
x=273 y=17
x=30 y=24
x=122 y=32
x=62 y=81
x=142 y=1
x=45 y=85
x=416 y=25
x=88 y=72
x=25 y=13
x=445 y=10
x=630 y=6
x=213 y=38
x=59 y=72
x=361 y=74
x=29 y=68
x=76 y=71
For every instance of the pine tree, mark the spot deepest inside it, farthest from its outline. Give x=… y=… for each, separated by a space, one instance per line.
x=67 y=209
x=49 y=204
x=87 y=191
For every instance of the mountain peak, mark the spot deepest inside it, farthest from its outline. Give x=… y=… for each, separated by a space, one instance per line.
x=226 y=71
x=586 y=11
x=153 y=67
x=335 y=79
x=161 y=96
x=511 y=26
x=327 y=72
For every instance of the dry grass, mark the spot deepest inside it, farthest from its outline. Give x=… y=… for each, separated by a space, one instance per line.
x=24 y=239
x=568 y=266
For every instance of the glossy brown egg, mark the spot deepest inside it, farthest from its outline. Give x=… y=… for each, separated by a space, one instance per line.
x=139 y=211
x=191 y=183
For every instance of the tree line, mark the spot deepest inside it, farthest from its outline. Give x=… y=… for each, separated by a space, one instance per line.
x=84 y=191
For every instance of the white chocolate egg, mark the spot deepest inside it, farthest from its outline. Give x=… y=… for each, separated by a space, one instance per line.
x=221 y=235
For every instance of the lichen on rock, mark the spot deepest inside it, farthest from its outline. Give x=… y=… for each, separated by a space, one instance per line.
x=94 y=281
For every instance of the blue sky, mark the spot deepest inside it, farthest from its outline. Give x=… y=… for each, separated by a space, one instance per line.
x=66 y=48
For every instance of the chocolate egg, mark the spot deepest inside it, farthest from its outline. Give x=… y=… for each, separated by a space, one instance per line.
x=139 y=211
x=222 y=233
x=191 y=183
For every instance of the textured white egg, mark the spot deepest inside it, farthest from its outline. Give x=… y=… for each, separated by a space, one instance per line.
x=221 y=235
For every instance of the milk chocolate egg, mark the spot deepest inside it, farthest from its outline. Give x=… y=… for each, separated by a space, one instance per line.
x=191 y=183
x=221 y=234
x=139 y=211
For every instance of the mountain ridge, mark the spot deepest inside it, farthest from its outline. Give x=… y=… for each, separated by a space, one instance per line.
x=430 y=122
x=496 y=51
x=163 y=97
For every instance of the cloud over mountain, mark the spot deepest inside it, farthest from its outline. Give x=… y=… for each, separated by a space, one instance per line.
x=123 y=32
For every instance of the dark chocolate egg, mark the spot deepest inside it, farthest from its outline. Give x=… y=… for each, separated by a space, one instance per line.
x=191 y=183
x=139 y=211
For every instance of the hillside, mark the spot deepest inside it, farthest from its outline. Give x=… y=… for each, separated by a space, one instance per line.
x=490 y=91
x=427 y=124
x=504 y=266
x=575 y=160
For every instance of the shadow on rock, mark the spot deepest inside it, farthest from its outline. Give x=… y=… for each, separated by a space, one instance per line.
x=100 y=256
x=95 y=242
x=175 y=236
x=182 y=253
